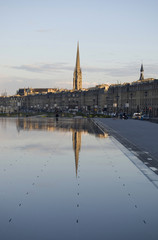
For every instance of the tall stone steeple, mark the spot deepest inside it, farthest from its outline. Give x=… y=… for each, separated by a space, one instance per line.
x=141 y=73
x=77 y=78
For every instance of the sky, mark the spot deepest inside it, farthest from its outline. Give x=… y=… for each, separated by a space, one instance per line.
x=38 y=42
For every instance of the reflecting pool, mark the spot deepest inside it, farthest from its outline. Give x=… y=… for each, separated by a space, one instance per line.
x=67 y=179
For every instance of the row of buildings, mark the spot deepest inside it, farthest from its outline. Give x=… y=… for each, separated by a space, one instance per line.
x=138 y=96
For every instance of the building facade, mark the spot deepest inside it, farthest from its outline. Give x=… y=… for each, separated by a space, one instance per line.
x=139 y=96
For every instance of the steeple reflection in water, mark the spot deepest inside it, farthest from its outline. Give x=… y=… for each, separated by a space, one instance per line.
x=76 y=138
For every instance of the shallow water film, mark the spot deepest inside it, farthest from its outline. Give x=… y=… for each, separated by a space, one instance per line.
x=67 y=179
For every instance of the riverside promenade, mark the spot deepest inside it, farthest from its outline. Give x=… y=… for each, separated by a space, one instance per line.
x=140 y=137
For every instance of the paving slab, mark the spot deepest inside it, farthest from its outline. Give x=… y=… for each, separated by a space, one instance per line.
x=141 y=137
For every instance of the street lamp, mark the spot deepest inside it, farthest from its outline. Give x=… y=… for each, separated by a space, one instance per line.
x=127 y=106
x=107 y=104
x=114 y=106
x=117 y=98
x=131 y=102
x=18 y=106
x=27 y=104
x=146 y=94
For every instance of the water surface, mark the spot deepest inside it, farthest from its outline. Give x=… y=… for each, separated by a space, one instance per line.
x=68 y=180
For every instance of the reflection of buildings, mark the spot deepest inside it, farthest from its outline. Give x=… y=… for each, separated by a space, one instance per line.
x=30 y=124
x=76 y=126
x=76 y=139
x=63 y=125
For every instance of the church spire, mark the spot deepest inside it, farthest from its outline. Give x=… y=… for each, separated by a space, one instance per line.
x=77 y=78
x=78 y=57
x=141 y=72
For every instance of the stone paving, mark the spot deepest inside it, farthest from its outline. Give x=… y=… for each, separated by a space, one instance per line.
x=138 y=136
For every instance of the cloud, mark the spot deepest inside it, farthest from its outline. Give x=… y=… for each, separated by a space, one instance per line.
x=44 y=67
x=112 y=71
x=124 y=70
x=118 y=70
x=60 y=67
x=12 y=83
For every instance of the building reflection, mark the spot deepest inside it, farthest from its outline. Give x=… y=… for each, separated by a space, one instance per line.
x=76 y=126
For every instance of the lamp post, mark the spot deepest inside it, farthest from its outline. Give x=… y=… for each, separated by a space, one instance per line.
x=27 y=104
x=131 y=102
x=114 y=107
x=127 y=106
x=117 y=98
x=146 y=94
x=18 y=107
x=55 y=107
x=93 y=105
x=107 y=105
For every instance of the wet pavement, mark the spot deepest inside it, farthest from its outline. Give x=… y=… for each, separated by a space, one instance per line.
x=138 y=136
x=70 y=180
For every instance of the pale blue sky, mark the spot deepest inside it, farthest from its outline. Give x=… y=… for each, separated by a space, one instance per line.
x=39 y=42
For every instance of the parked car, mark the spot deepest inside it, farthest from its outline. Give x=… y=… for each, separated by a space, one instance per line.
x=136 y=116
x=144 y=117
